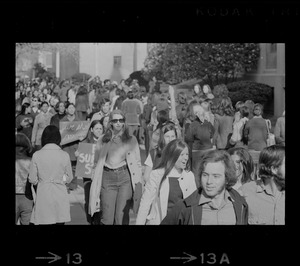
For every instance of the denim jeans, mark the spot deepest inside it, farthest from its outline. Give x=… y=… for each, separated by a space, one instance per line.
x=134 y=130
x=116 y=197
x=87 y=186
x=23 y=209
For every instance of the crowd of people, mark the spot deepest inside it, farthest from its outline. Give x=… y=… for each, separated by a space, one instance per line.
x=207 y=161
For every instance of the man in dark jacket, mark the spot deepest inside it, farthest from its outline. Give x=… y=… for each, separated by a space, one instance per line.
x=215 y=202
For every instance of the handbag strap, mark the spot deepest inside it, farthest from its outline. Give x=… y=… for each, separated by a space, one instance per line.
x=33 y=193
x=267 y=123
x=159 y=207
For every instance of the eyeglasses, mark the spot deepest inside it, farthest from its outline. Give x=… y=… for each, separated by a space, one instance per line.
x=122 y=120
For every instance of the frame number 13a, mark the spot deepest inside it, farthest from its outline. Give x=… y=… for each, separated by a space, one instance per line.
x=75 y=258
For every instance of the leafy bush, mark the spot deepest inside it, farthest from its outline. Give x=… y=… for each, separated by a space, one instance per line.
x=249 y=90
x=177 y=62
x=41 y=72
x=80 y=77
x=48 y=75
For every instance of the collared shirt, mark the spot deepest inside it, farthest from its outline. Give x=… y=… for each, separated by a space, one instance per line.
x=223 y=215
x=264 y=207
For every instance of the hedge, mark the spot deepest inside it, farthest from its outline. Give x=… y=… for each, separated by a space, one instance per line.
x=80 y=77
x=249 y=90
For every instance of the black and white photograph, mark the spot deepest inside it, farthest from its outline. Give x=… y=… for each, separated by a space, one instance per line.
x=155 y=133
x=150 y=133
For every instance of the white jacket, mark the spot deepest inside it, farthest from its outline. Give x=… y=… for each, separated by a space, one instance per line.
x=150 y=199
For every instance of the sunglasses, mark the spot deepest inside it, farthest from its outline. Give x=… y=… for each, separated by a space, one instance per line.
x=122 y=120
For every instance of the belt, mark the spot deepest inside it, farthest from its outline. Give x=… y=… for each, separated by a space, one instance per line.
x=124 y=167
x=55 y=181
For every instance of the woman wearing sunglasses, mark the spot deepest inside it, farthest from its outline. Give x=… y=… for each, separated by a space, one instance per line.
x=117 y=174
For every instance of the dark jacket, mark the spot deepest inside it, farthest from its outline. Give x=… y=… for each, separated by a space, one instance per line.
x=189 y=212
x=82 y=102
x=256 y=132
x=56 y=118
x=198 y=135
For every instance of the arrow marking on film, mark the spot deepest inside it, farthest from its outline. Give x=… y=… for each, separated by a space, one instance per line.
x=53 y=259
x=189 y=258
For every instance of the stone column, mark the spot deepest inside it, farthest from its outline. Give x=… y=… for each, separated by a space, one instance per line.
x=57 y=68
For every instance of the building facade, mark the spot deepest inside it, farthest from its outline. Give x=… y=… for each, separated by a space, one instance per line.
x=63 y=65
x=271 y=71
x=114 y=61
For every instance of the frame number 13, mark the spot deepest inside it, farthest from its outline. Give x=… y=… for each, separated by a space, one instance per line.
x=75 y=258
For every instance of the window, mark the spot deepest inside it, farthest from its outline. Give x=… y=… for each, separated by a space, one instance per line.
x=45 y=58
x=48 y=60
x=273 y=47
x=271 y=56
x=117 y=61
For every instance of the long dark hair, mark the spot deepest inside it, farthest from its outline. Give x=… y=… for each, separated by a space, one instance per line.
x=23 y=146
x=270 y=157
x=82 y=91
x=125 y=137
x=89 y=137
x=190 y=110
x=225 y=107
x=168 y=126
x=162 y=118
x=169 y=157
x=247 y=162
x=23 y=108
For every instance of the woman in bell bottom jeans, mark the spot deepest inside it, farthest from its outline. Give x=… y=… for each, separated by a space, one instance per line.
x=118 y=173
x=116 y=195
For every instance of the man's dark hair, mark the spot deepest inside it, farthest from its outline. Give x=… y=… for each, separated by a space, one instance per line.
x=130 y=95
x=105 y=81
x=44 y=103
x=270 y=157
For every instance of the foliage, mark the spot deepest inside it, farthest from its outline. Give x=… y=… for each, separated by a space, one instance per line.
x=249 y=90
x=138 y=75
x=39 y=69
x=81 y=77
x=220 y=91
x=42 y=73
x=177 y=62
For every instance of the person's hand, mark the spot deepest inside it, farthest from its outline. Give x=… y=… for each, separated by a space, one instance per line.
x=76 y=153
